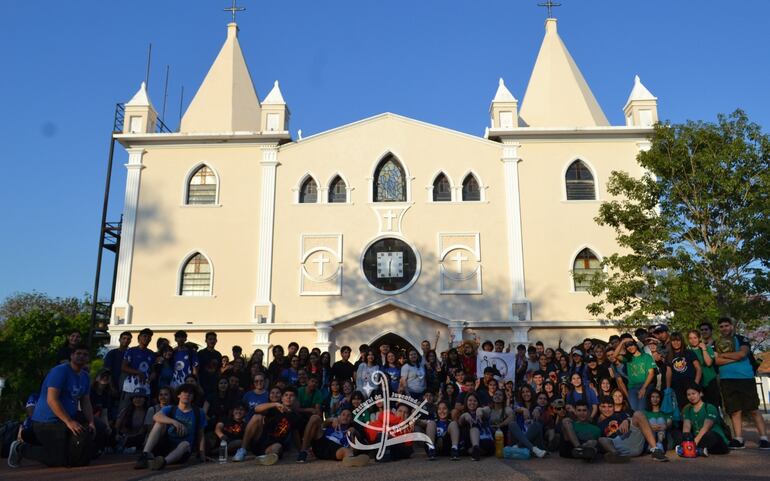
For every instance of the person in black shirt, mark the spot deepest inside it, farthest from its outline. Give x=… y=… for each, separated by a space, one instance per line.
x=63 y=354
x=274 y=433
x=205 y=357
x=343 y=369
x=278 y=364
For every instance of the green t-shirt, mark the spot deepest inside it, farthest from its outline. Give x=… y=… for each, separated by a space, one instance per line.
x=708 y=372
x=637 y=368
x=657 y=417
x=697 y=418
x=586 y=431
x=309 y=401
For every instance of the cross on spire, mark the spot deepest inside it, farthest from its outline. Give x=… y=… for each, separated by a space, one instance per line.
x=234 y=9
x=549 y=5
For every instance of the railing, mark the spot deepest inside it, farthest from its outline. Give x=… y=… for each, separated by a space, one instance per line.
x=120 y=119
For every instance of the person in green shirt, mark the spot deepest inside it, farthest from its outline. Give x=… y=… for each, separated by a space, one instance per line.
x=703 y=422
x=310 y=398
x=660 y=422
x=579 y=435
x=640 y=368
x=705 y=355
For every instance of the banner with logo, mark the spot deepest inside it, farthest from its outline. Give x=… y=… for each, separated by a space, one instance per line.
x=503 y=362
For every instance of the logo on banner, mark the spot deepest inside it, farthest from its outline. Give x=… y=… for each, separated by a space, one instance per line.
x=389 y=435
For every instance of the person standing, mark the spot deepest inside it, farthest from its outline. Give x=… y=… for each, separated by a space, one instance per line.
x=137 y=366
x=736 y=380
x=185 y=360
x=640 y=368
x=343 y=370
x=74 y=339
x=113 y=360
x=56 y=418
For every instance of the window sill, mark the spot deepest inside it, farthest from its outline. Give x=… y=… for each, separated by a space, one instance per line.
x=594 y=201
x=326 y=203
x=200 y=206
x=458 y=202
x=211 y=296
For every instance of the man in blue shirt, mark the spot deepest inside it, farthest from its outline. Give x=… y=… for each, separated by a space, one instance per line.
x=56 y=417
x=736 y=381
x=185 y=360
x=114 y=360
x=137 y=366
x=176 y=434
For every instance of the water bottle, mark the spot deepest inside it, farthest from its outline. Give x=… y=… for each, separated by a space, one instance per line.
x=498 y=443
x=223 y=452
x=515 y=452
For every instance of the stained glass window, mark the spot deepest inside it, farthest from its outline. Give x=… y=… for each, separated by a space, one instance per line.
x=308 y=193
x=202 y=188
x=442 y=192
x=196 y=277
x=580 y=182
x=389 y=181
x=586 y=266
x=338 y=192
x=471 y=189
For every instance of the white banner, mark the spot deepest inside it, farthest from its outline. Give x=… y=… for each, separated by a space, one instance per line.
x=504 y=362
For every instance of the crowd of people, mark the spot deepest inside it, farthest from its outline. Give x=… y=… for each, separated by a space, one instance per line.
x=646 y=393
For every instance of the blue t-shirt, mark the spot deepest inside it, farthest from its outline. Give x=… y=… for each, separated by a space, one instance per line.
x=442 y=427
x=188 y=419
x=184 y=362
x=739 y=369
x=394 y=377
x=253 y=399
x=589 y=396
x=141 y=360
x=71 y=385
x=337 y=435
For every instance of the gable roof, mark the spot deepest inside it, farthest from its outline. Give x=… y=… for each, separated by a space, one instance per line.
x=557 y=94
x=226 y=100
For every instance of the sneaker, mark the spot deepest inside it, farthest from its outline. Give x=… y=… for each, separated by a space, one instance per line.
x=678 y=450
x=143 y=462
x=613 y=458
x=454 y=454
x=158 y=463
x=14 y=454
x=239 y=455
x=540 y=453
x=703 y=452
x=302 y=456
x=587 y=453
x=659 y=455
x=267 y=459
x=660 y=446
x=356 y=461
x=475 y=453
x=431 y=454
x=764 y=444
x=735 y=444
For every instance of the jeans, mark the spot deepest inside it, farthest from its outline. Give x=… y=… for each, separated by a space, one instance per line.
x=633 y=398
x=53 y=439
x=533 y=436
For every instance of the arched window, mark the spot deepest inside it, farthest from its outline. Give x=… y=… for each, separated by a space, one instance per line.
x=308 y=193
x=196 y=277
x=442 y=191
x=586 y=266
x=202 y=187
x=389 y=181
x=338 y=191
x=471 y=190
x=580 y=182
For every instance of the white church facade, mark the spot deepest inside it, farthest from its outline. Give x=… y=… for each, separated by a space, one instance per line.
x=384 y=227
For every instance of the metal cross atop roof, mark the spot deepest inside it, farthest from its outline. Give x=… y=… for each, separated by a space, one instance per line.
x=549 y=5
x=234 y=9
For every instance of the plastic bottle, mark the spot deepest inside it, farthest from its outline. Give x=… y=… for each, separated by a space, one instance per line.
x=499 y=443
x=515 y=452
x=223 y=452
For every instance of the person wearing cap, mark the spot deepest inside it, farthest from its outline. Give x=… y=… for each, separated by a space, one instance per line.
x=578 y=366
x=137 y=366
x=640 y=368
x=176 y=434
x=595 y=372
x=661 y=334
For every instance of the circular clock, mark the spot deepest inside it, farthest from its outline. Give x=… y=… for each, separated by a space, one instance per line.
x=390 y=265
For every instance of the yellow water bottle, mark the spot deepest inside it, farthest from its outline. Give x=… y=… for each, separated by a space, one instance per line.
x=499 y=443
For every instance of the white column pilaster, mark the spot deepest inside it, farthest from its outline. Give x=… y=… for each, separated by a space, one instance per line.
x=520 y=306
x=121 y=309
x=263 y=308
x=323 y=331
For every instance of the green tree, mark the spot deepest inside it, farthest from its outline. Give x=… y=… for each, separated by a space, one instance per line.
x=694 y=230
x=33 y=326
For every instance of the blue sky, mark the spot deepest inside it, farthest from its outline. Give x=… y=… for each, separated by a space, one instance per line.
x=66 y=64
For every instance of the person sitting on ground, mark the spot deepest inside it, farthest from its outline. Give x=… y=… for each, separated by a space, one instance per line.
x=177 y=432
x=624 y=436
x=253 y=423
x=525 y=431
x=446 y=439
x=272 y=431
x=56 y=418
x=702 y=421
x=330 y=440
x=660 y=422
x=165 y=398
x=579 y=436
x=476 y=429
x=130 y=426
x=230 y=430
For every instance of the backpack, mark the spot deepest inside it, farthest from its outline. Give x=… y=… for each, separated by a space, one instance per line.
x=196 y=423
x=8 y=432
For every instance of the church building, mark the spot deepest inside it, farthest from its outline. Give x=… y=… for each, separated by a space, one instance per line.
x=387 y=229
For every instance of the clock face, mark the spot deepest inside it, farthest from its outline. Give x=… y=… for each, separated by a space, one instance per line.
x=389 y=264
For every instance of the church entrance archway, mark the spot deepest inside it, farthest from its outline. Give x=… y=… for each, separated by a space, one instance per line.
x=397 y=343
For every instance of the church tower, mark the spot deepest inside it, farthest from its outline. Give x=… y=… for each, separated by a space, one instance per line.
x=642 y=107
x=140 y=115
x=504 y=108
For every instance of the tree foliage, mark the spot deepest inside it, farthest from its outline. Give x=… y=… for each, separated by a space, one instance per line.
x=694 y=230
x=34 y=326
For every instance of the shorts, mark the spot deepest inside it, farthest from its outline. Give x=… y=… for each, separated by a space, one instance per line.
x=259 y=446
x=630 y=444
x=739 y=395
x=324 y=448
